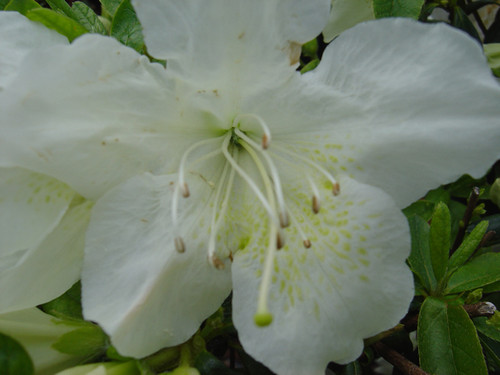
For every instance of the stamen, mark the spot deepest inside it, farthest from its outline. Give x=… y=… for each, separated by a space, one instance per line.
x=247 y=179
x=263 y=316
x=215 y=224
x=315 y=198
x=179 y=245
x=266 y=137
x=182 y=182
x=216 y=262
x=283 y=216
x=328 y=175
x=280 y=240
x=296 y=224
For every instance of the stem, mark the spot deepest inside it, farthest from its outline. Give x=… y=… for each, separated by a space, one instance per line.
x=471 y=204
x=396 y=359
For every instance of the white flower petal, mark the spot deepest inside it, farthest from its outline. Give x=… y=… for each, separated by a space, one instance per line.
x=225 y=42
x=31 y=206
x=144 y=293
x=37 y=332
x=351 y=284
x=99 y=114
x=345 y=14
x=23 y=36
x=429 y=105
x=47 y=269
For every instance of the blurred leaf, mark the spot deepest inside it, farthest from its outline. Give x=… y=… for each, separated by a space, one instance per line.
x=61 y=6
x=66 y=306
x=447 y=340
x=3 y=4
x=463 y=186
x=420 y=257
x=397 y=8
x=207 y=364
x=422 y=208
x=480 y=271
x=22 y=6
x=493 y=33
x=495 y=187
x=491 y=350
x=87 y=341
x=58 y=22
x=87 y=18
x=14 y=360
x=461 y=20
x=476 y=5
x=493 y=287
x=110 y=6
x=252 y=366
x=310 y=66
x=483 y=325
x=353 y=368
x=466 y=249
x=440 y=239
x=126 y=27
x=438 y=195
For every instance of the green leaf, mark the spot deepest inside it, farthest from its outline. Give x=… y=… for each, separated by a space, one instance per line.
x=126 y=27
x=3 y=4
x=491 y=350
x=207 y=364
x=61 y=6
x=310 y=66
x=87 y=18
x=87 y=341
x=58 y=22
x=397 y=8
x=14 y=360
x=462 y=21
x=447 y=340
x=495 y=187
x=484 y=326
x=491 y=288
x=480 y=271
x=109 y=7
x=353 y=368
x=22 y=6
x=420 y=257
x=439 y=239
x=66 y=306
x=466 y=249
x=422 y=208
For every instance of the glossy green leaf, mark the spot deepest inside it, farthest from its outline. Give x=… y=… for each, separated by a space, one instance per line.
x=22 y=6
x=491 y=351
x=420 y=257
x=3 y=4
x=126 y=27
x=58 y=22
x=397 y=8
x=466 y=249
x=87 y=18
x=440 y=239
x=447 y=340
x=14 y=360
x=491 y=288
x=480 y=271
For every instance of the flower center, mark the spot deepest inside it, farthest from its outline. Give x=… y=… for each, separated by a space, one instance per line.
x=269 y=191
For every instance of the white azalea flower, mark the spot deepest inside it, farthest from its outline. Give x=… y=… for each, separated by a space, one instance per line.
x=231 y=155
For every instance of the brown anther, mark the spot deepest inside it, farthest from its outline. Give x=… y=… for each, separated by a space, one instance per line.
x=315 y=204
x=179 y=245
x=280 y=241
x=336 y=188
x=307 y=243
x=217 y=263
x=284 y=221
x=265 y=141
x=231 y=256
x=185 y=191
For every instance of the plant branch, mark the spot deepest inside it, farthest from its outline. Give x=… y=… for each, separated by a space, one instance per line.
x=471 y=204
x=397 y=360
